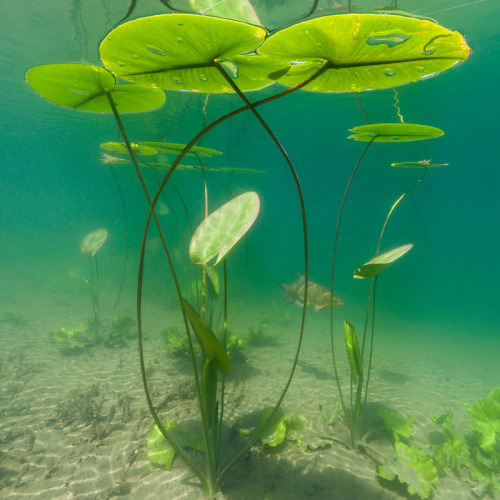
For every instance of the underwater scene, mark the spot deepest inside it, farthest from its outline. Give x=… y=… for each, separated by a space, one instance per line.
x=249 y=249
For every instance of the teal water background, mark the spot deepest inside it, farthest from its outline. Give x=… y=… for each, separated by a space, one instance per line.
x=55 y=190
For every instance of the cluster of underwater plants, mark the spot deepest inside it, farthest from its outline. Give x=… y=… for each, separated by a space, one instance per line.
x=476 y=456
x=198 y=53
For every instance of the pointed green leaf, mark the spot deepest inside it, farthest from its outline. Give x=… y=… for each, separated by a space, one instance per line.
x=179 y=51
x=394 y=132
x=207 y=339
x=375 y=266
x=353 y=352
x=121 y=148
x=418 y=164
x=212 y=274
x=365 y=51
x=222 y=229
x=85 y=87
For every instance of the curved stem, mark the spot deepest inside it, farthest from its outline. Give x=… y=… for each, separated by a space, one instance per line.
x=266 y=127
x=153 y=214
x=335 y=244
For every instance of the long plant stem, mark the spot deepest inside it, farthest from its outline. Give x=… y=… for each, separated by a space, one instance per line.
x=208 y=487
x=334 y=258
x=149 y=400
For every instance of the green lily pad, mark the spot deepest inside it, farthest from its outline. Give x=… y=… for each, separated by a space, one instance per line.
x=418 y=164
x=222 y=229
x=375 y=266
x=414 y=468
x=353 y=352
x=91 y=244
x=121 y=148
x=174 y=148
x=394 y=132
x=179 y=51
x=365 y=51
x=85 y=87
x=207 y=339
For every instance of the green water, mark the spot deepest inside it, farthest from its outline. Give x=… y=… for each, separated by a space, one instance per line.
x=55 y=189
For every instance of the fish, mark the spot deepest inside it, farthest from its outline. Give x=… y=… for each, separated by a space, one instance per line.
x=109 y=159
x=318 y=296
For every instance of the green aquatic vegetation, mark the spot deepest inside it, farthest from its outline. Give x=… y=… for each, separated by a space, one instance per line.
x=400 y=427
x=198 y=53
x=120 y=330
x=73 y=339
x=176 y=341
x=413 y=467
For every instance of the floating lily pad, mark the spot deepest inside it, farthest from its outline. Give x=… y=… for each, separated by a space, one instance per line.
x=365 y=51
x=85 y=87
x=179 y=51
x=222 y=229
x=121 y=148
x=394 y=132
x=375 y=266
x=91 y=244
x=418 y=164
x=174 y=148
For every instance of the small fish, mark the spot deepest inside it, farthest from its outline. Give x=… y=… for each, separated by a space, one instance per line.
x=317 y=295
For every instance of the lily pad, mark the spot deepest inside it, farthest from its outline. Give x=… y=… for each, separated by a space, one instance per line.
x=375 y=266
x=222 y=229
x=91 y=244
x=174 y=148
x=179 y=51
x=207 y=339
x=85 y=87
x=121 y=148
x=394 y=132
x=418 y=164
x=365 y=51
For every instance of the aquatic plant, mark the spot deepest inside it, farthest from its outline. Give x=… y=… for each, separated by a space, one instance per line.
x=202 y=54
x=89 y=247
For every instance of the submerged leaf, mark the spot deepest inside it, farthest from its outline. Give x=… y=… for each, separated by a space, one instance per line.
x=222 y=229
x=91 y=244
x=175 y=148
x=485 y=415
x=353 y=352
x=120 y=147
x=207 y=339
x=375 y=266
x=88 y=88
x=394 y=132
x=413 y=467
x=395 y=423
x=239 y=10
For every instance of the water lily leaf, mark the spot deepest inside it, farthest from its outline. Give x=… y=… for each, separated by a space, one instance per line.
x=365 y=51
x=85 y=87
x=174 y=148
x=378 y=264
x=91 y=244
x=120 y=147
x=179 y=51
x=394 y=132
x=395 y=423
x=485 y=415
x=353 y=352
x=413 y=467
x=207 y=339
x=418 y=164
x=239 y=10
x=222 y=229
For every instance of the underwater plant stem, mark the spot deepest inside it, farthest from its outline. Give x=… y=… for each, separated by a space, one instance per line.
x=335 y=244
x=208 y=488
x=125 y=213
x=266 y=127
